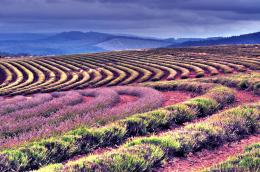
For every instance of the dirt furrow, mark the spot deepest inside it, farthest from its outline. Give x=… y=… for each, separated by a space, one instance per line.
x=207 y=158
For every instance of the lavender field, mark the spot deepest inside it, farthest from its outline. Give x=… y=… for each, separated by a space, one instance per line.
x=149 y=110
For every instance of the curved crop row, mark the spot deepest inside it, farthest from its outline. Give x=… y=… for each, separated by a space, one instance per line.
x=144 y=153
x=46 y=114
x=8 y=76
x=249 y=81
x=46 y=74
x=84 y=139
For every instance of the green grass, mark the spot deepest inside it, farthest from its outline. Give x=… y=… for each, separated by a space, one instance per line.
x=242 y=81
x=131 y=159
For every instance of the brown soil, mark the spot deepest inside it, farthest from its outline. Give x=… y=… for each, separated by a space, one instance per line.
x=87 y=98
x=208 y=158
x=246 y=97
x=127 y=98
x=173 y=97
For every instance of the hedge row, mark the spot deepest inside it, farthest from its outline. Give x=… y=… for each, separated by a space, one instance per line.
x=144 y=153
x=85 y=140
x=242 y=81
x=248 y=161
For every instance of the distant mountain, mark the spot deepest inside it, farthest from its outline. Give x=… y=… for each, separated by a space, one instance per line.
x=78 y=42
x=108 y=41
x=89 y=37
x=181 y=40
x=252 y=38
x=177 y=41
x=123 y=43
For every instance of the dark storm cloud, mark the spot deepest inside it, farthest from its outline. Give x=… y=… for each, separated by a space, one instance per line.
x=144 y=17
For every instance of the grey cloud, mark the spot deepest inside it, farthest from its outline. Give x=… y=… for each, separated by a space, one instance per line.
x=176 y=17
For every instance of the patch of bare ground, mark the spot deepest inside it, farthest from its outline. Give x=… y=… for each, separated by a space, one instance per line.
x=173 y=97
x=87 y=98
x=127 y=98
x=207 y=158
x=245 y=97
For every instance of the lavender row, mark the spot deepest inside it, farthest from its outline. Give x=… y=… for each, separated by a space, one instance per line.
x=69 y=110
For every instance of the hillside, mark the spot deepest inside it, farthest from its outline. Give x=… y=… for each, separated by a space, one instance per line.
x=90 y=38
x=124 y=43
x=75 y=42
x=252 y=38
x=131 y=111
x=145 y=65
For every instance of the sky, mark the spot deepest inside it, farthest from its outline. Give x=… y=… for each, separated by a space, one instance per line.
x=150 y=18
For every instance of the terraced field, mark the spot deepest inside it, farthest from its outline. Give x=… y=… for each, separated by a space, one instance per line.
x=186 y=109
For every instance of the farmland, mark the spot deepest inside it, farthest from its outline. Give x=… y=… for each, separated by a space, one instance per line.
x=142 y=110
x=33 y=75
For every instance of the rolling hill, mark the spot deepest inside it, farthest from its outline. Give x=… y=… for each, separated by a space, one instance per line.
x=252 y=38
x=124 y=43
x=75 y=42
x=131 y=110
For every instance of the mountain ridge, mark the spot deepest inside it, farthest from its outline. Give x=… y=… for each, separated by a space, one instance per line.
x=79 y=42
x=76 y=42
x=250 y=38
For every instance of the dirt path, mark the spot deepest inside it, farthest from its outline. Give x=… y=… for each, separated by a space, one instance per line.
x=207 y=158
